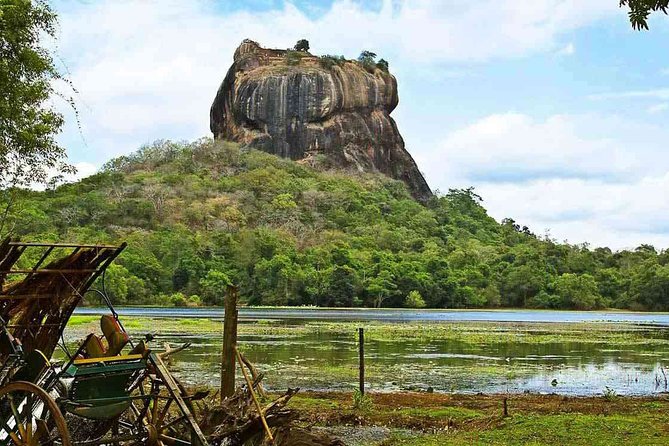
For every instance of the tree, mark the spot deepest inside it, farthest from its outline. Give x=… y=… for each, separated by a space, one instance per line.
x=29 y=152
x=522 y=282
x=381 y=287
x=368 y=60
x=650 y=287
x=414 y=300
x=214 y=286
x=341 y=289
x=639 y=10
x=302 y=45
x=578 y=291
x=382 y=64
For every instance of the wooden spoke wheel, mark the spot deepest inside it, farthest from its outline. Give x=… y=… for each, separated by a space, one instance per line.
x=30 y=417
x=163 y=421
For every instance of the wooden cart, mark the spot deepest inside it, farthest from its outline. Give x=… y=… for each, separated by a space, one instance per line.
x=102 y=395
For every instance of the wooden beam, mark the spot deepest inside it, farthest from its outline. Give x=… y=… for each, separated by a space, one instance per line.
x=27 y=296
x=228 y=355
x=108 y=359
x=198 y=438
x=49 y=271
x=249 y=384
x=361 y=365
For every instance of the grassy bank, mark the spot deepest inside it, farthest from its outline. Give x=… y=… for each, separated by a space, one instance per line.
x=412 y=419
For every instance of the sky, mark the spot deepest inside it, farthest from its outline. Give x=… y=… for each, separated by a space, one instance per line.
x=554 y=110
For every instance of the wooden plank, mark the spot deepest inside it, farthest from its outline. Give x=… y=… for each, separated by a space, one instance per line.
x=175 y=393
x=107 y=359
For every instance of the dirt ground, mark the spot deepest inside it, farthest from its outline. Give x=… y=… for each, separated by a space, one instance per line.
x=384 y=416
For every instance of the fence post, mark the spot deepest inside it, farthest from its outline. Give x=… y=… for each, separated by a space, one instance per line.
x=228 y=359
x=361 y=343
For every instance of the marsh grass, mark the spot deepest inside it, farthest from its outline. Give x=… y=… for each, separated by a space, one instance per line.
x=473 y=333
x=362 y=402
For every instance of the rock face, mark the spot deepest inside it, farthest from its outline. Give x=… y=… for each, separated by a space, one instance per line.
x=297 y=108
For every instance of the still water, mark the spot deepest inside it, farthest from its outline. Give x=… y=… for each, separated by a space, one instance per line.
x=400 y=315
x=328 y=360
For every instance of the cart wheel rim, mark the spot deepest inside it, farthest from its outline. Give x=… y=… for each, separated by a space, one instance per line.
x=30 y=417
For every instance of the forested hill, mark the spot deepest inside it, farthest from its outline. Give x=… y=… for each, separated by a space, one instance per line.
x=199 y=215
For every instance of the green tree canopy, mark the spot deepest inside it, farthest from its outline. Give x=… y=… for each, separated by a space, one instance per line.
x=200 y=215
x=414 y=300
x=29 y=152
x=302 y=45
x=578 y=291
x=640 y=10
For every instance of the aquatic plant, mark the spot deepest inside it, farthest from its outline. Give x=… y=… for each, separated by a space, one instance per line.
x=610 y=394
x=362 y=402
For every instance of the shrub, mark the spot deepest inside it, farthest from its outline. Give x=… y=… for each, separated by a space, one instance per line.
x=361 y=401
x=328 y=61
x=609 y=394
x=293 y=57
x=178 y=300
x=382 y=65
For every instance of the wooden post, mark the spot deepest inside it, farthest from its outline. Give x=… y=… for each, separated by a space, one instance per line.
x=361 y=343
x=228 y=359
x=506 y=407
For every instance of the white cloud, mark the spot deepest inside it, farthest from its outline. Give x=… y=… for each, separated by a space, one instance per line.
x=516 y=147
x=568 y=50
x=621 y=215
x=658 y=108
x=660 y=93
x=593 y=178
x=148 y=70
x=83 y=170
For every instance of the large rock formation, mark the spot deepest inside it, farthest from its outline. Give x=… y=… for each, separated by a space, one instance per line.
x=296 y=106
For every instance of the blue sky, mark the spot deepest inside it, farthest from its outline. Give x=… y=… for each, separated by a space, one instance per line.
x=554 y=110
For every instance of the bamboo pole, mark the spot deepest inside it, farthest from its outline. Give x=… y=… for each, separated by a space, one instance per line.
x=249 y=383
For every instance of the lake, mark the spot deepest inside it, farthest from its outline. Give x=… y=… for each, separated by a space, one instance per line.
x=570 y=352
x=391 y=315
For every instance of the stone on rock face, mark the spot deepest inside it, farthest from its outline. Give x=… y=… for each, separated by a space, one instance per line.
x=298 y=111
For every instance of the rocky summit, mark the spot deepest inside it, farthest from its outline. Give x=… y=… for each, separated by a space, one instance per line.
x=303 y=107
